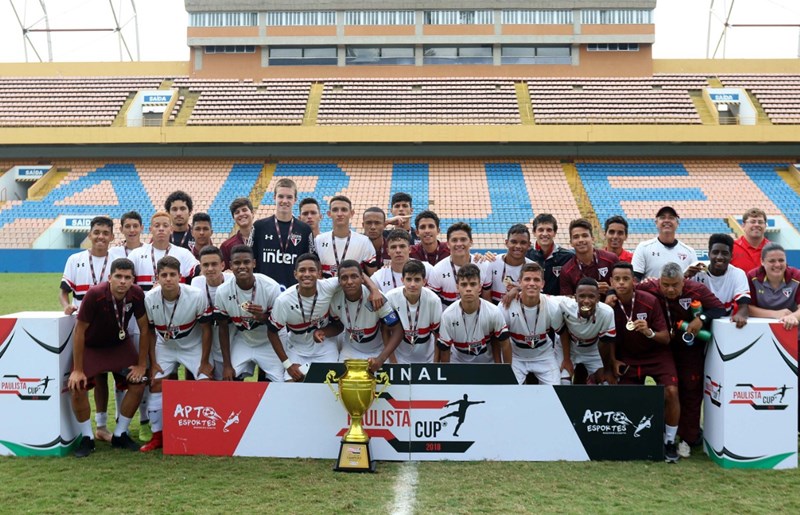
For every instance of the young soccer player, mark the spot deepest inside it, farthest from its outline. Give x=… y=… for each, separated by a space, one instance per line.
x=641 y=348
x=180 y=334
x=131 y=226
x=420 y=312
x=210 y=279
x=587 y=261
x=179 y=205
x=102 y=344
x=429 y=248
x=342 y=242
x=550 y=255
x=242 y=212
x=83 y=270
x=364 y=327
x=246 y=303
x=530 y=317
x=402 y=209
x=398 y=245
x=147 y=256
x=201 y=233
x=373 y=221
x=505 y=270
x=279 y=239
x=588 y=327
x=443 y=279
x=311 y=214
x=473 y=329
x=616 y=233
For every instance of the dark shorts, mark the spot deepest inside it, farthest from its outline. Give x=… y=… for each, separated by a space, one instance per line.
x=115 y=359
x=661 y=370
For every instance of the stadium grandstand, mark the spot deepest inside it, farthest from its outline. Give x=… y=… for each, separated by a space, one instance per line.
x=489 y=112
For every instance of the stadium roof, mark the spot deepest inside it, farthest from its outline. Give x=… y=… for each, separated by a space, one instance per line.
x=297 y=5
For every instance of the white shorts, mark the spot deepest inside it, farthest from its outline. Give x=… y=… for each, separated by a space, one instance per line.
x=405 y=353
x=545 y=369
x=243 y=356
x=588 y=356
x=326 y=353
x=169 y=356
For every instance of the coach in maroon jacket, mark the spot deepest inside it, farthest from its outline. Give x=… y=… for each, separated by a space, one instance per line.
x=676 y=296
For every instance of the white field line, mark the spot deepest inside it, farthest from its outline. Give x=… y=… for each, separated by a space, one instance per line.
x=405 y=489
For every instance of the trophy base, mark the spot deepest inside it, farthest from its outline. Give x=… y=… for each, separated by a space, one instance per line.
x=354 y=457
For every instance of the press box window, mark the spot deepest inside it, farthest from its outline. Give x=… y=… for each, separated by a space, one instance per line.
x=301 y=56
x=517 y=54
x=613 y=47
x=230 y=49
x=358 y=55
x=457 y=55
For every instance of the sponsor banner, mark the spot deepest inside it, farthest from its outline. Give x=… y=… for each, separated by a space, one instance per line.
x=35 y=361
x=750 y=393
x=626 y=423
x=418 y=419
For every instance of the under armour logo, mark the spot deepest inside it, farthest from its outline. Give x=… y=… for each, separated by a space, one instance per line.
x=294 y=306
x=267 y=236
x=81 y=265
x=514 y=315
x=325 y=244
x=455 y=324
x=386 y=283
x=444 y=276
x=231 y=297
x=656 y=253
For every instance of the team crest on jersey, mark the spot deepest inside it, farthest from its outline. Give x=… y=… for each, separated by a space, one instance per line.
x=641 y=316
x=127 y=307
x=683 y=256
x=356 y=334
x=787 y=292
x=556 y=271
x=685 y=303
x=294 y=238
x=602 y=271
x=411 y=336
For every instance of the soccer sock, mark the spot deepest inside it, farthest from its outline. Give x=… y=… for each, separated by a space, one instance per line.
x=143 y=406
x=669 y=433
x=119 y=395
x=101 y=418
x=122 y=425
x=86 y=428
x=154 y=410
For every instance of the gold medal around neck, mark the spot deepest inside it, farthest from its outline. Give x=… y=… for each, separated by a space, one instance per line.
x=630 y=326
x=122 y=334
x=245 y=305
x=585 y=309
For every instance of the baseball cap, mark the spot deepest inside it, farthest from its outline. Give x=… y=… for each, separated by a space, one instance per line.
x=667 y=210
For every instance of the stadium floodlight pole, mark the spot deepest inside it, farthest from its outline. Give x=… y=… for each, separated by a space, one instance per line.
x=120 y=37
x=26 y=39
x=47 y=26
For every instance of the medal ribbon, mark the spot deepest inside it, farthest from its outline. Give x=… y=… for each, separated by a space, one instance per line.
x=413 y=328
x=347 y=313
x=119 y=313
x=91 y=268
x=174 y=309
x=285 y=245
x=313 y=305
x=153 y=259
x=335 y=256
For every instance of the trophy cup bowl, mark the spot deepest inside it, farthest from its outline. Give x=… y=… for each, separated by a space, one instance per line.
x=357 y=392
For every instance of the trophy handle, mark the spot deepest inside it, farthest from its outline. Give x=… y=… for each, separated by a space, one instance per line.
x=382 y=377
x=330 y=377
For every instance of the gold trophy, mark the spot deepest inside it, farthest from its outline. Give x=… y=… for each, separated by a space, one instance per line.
x=357 y=391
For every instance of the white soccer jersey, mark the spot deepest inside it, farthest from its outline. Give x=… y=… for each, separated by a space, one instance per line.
x=301 y=316
x=201 y=284
x=728 y=287
x=420 y=325
x=528 y=327
x=356 y=246
x=82 y=271
x=651 y=255
x=119 y=252
x=585 y=333
x=177 y=322
x=469 y=335
x=361 y=323
x=146 y=257
x=443 y=280
x=229 y=300
x=387 y=280
x=498 y=271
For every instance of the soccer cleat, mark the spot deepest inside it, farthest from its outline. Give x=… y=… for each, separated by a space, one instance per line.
x=670 y=452
x=103 y=434
x=145 y=433
x=85 y=448
x=124 y=441
x=156 y=442
x=684 y=450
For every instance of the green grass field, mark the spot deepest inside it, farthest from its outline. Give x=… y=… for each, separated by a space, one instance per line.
x=120 y=481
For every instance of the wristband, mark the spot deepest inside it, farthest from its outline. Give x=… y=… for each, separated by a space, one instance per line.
x=651 y=335
x=287 y=364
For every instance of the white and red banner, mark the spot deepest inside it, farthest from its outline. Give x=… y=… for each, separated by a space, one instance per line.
x=35 y=361
x=433 y=421
x=750 y=395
